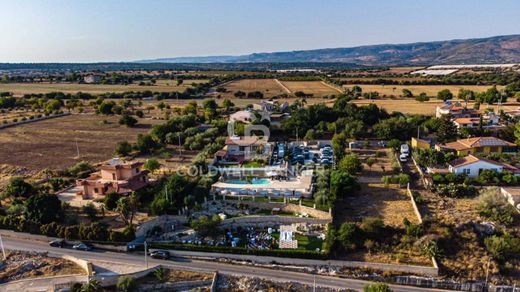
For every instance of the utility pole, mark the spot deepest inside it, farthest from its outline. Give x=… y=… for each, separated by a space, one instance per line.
x=487 y=272
x=2 y=243
x=77 y=147
x=146 y=254
x=180 y=148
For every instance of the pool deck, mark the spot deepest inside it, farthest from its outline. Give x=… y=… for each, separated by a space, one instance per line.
x=301 y=184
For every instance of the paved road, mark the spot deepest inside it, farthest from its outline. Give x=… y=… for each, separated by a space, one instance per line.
x=207 y=266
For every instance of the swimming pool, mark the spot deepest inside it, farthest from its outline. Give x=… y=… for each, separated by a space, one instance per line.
x=254 y=182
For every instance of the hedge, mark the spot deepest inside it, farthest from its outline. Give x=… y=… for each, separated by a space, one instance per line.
x=286 y=253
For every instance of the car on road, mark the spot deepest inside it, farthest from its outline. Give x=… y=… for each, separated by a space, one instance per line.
x=160 y=254
x=403 y=158
x=83 y=246
x=57 y=243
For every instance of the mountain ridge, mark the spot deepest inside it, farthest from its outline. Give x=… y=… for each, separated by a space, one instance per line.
x=489 y=50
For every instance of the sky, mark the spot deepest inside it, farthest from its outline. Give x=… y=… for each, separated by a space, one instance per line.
x=128 y=30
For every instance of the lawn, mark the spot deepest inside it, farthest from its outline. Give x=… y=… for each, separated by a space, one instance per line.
x=253 y=164
x=304 y=242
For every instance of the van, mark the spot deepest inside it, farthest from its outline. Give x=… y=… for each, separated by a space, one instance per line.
x=405 y=149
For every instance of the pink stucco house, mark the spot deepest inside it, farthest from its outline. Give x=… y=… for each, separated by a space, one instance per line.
x=115 y=176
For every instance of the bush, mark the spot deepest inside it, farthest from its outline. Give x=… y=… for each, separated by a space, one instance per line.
x=377 y=287
x=455 y=190
x=349 y=235
x=127 y=284
x=503 y=247
x=493 y=206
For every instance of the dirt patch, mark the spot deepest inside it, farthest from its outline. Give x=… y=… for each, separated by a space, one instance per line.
x=52 y=143
x=22 y=265
x=316 y=88
x=231 y=283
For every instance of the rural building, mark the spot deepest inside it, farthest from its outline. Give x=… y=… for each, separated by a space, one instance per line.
x=457 y=110
x=418 y=143
x=245 y=117
x=92 y=79
x=115 y=176
x=472 y=166
x=512 y=195
x=267 y=105
x=475 y=145
x=247 y=146
x=277 y=119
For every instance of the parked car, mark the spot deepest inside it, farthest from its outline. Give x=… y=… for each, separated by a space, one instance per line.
x=83 y=246
x=405 y=149
x=57 y=243
x=403 y=158
x=160 y=254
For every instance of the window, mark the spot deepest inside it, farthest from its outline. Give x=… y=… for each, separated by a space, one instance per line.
x=466 y=171
x=137 y=170
x=96 y=190
x=113 y=176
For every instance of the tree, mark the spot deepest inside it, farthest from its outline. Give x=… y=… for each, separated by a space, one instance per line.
x=206 y=226
x=348 y=235
x=339 y=144
x=106 y=107
x=127 y=207
x=342 y=183
x=377 y=287
x=127 y=120
x=145 y=143
x=43 y=209
x=227 y=104
x=407 y=92
x=90 y=210
x=111 y=200
x=444 y=95
x=447 y=130
x=123 y=148
x=152 y=165
x=127 y=284
x=351 y=164
x=19 y=188
x=240 y=94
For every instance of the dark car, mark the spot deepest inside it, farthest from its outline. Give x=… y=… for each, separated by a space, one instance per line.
x=57 y=243
x=160 y=254
x=82 y=246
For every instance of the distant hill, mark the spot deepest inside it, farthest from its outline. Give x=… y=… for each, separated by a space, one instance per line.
x=492 y=50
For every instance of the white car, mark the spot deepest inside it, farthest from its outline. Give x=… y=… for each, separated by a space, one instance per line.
x=403 y=158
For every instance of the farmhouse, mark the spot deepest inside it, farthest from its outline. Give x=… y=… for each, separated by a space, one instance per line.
x=244 y=146
x=91 y=79
x=475 y=145
x=512 y=195
x=242 y=116
x=457 y=110
x=472 y=166
x=115 y=176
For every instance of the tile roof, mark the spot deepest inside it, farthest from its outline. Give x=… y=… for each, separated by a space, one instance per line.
x=469 y=143
x=470 y=159
x=246 y=140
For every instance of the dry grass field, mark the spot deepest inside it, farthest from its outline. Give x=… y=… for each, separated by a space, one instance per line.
x=52 y=143
x=411 y=106
x=33 y=88
x=317 y=88
x=430 y=90
x=269 y=87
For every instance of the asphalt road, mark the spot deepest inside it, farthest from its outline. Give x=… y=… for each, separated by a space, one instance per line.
x=203 y=266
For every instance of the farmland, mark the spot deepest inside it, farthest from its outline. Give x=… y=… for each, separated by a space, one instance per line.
x=52 y=143
x=411 y=106
x=430 y=90
x=35 y=88
x=268 y=87
x=316 y=88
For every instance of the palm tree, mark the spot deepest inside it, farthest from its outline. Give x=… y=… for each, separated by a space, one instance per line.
x=91 y=286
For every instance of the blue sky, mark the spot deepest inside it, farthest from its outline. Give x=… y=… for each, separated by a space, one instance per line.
x=118 y=30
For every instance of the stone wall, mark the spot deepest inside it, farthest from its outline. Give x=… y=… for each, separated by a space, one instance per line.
x=289 y=207
x=269 y=221
x=3 y=126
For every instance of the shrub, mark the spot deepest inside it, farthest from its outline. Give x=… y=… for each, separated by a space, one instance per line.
x=349 y=235
x=494 y=206
x=503 y=247
x=377 y=287
x=127 y=284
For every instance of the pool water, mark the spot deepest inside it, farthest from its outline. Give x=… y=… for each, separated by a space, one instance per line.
x=254 y=182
